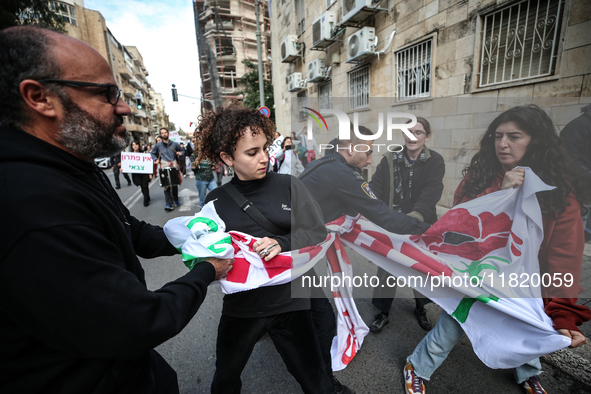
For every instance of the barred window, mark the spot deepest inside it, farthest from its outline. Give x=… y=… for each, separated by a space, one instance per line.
x=520 y=41
x=359 y=88
x=325 y=95
x=413 y=71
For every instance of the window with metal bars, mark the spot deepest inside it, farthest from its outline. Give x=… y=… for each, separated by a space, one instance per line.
x=413 y=71
x=325 y=95
x=520 y=41
x=359 y=88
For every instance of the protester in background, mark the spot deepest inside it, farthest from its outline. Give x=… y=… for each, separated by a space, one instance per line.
x=76 y=315
x=521 y=136
x=240 y=137
x=181 y=160
x=204 y=179
x=165 y=154
x=220 y=170
x=409 y=181
x=576 y=137
x=287 y=159
x=299 y=149
x=116 y=163
x=141 y=180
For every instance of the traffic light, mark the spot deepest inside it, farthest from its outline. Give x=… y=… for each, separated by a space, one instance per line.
x=139 y=103
x=175 y=96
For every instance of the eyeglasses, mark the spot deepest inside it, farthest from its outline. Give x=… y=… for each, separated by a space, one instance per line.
x=113 y=93
x=417 y=133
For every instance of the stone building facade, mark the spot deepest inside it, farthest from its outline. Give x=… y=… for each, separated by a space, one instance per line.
x=126 y=61
x=458 y=63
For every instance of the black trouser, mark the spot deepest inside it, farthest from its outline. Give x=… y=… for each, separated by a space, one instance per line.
x=171 y=193
x=116 y=173
x=326 y=328
x=383 y=294
x=294 y=338
x=146 y=192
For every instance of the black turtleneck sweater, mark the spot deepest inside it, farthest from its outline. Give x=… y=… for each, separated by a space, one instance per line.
x=286 y=202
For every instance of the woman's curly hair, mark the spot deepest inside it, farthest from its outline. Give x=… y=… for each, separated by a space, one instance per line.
x=545 y=155
x=220 y=130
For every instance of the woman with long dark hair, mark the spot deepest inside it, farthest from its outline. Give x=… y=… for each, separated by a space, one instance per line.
x=239 y=137
x=522 y=136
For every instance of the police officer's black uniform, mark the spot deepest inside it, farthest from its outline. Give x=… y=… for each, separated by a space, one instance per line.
x=340 y=190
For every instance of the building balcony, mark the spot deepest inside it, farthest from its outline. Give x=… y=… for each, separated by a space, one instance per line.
x=129 y=91
x=125 y=72
x=137 y=128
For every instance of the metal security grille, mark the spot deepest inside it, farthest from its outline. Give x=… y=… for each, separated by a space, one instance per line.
x=325 y=95
x=413 y=70
x=520 y=41
x=359 y=88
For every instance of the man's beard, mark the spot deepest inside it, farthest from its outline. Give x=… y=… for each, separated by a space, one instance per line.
x=85 y=135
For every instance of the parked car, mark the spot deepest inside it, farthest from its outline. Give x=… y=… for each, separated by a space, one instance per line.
x=103 y=162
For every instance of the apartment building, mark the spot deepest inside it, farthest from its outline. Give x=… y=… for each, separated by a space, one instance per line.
x=458 y=63
x=126 y=61
x=227 y=28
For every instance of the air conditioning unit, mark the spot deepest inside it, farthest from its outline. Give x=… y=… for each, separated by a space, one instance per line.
x=362 y=44
x=316 y=70
x=322 y=30
x=355 y=11
x=295 y=82
x=289 y=50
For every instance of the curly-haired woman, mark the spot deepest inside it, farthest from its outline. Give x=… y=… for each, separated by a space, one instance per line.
x=240 y=136
x=521 y=136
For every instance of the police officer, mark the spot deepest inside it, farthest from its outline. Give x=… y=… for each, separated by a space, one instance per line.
x=335 y=181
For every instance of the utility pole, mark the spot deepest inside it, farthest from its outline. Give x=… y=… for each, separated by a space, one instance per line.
x=261 y=79
x=211 y=62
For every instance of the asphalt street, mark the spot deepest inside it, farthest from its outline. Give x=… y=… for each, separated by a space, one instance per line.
x=377 y=367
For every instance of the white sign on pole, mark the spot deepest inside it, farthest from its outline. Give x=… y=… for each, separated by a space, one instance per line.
x=137 y=163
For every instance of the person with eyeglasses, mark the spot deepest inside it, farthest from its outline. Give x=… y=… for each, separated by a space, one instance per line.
x=76 y=315
x=408 y=181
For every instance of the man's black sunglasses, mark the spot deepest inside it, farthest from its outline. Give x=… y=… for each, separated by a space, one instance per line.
x=113 y=93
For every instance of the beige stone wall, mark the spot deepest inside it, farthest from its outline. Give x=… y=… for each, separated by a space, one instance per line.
x=459 y=111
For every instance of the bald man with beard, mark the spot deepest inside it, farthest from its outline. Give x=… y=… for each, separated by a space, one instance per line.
x=75 y=313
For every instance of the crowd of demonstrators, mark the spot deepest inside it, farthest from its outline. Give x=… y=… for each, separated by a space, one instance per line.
x=240 y=136
x=308 y=150
x=287 y=159
x=141 y=180
x=76 y=315
x=521 y=136
x=165 y=154
x=408 y=181
x=576 y=137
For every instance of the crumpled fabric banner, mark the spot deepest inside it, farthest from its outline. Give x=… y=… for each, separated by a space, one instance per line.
x=482 y=240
